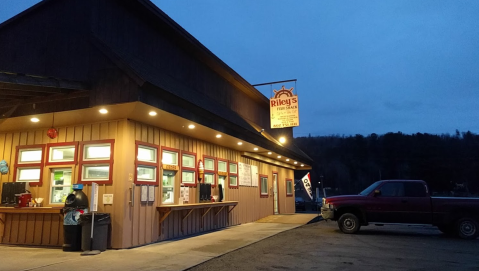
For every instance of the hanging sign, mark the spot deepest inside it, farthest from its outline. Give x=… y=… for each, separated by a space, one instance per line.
x=284 y=109
x=306 y=181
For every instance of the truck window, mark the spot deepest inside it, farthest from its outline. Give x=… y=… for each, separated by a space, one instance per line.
x=415 y=189
x=392 y=190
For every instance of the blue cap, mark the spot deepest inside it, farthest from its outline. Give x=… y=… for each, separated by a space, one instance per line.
x=77 y=186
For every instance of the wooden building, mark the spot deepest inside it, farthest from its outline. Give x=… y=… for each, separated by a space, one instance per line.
x=121 y=83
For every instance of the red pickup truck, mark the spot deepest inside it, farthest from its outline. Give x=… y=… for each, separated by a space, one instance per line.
x=403 y=201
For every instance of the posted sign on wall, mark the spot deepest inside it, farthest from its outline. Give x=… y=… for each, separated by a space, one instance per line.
x=284 y=109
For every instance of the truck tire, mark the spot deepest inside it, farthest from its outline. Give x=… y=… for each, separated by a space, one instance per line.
x=467 y=228
x=349 y=223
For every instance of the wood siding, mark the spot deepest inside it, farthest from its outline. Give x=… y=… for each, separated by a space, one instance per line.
x=32 y=229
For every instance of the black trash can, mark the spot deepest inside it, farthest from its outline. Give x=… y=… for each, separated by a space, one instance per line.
x=76 y=204
x=100 y=231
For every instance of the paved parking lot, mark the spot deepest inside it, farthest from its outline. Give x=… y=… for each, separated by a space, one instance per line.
x=320 y=246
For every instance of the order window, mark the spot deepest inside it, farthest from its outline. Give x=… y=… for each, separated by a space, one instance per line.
x=188 y=168
x=61 y=181
x=233 y=175
x=289 y=187
x=168 y=187
x=210 y=172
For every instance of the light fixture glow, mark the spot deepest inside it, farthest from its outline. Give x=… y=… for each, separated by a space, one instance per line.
x=255 y=149
x=282 y=139
x=34 y=120
x=279 y=156
x=240 y=143
x=269 y=152
x=295 y=162
x=287 y=160
x=218 y=136
x=152 y=113
x=191 y=126
x=103 y=111
x=302 y=165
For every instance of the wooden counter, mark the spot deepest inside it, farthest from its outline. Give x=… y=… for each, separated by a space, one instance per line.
x=31 y=226
x=165 y=210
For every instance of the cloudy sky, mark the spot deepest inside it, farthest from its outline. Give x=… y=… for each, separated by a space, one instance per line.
x=362 y=66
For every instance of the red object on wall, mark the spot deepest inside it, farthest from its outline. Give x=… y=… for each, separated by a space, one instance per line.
x=52 y=133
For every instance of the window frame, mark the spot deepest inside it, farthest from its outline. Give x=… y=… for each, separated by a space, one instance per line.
x=288 y=180
x=208 y=171
x=222 y=173
x=261 y=194
x=82 y=162
x=189 y=169
x=63 y=144
x=39 y=165
x=147 y=164
x=233 y=175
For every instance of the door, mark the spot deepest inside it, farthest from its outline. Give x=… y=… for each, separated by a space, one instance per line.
x=420 y=208
x=390 y=205
x=275 y=193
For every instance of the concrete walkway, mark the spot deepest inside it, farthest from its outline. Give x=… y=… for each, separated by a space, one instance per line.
x=168 y=255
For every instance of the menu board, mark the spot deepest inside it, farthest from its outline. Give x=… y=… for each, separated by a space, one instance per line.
x=247 y=174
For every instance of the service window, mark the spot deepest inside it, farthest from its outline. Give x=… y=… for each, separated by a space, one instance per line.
x=170 y=158
x=62 y=153
x=168 y=187
x=61 y=182
x=210 y=170
x=146 y=164
x=29 y=164
x=289 y=187
x=263 y=183
x=96 y=162
x=233 y=175
x=188 y=168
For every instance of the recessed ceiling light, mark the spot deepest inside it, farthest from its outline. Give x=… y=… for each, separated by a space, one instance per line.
x=191 y=126
x=279 y=156
x=269 y=152
x=152 y=113
x=255 y=149
x=240 y=143
x=287 y=160
x=282 y=139
x=103 y=111
x=302 y=165
x=218 y=136
x=295 y=162
x=34 y=120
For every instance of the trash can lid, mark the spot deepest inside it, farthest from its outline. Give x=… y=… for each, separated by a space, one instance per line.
x=77 y=186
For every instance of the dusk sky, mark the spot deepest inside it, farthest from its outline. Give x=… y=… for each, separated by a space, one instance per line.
x=361 y=66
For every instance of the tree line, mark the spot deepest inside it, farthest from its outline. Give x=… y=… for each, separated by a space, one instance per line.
x=448 y=163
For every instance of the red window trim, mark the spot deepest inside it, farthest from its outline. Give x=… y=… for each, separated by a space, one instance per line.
x=261 y=195
x=30 y=165
x=215 y=171
x=292 y=187
x=109 y=162
x=149 y=164
x=75 y=156
x=194 y=169
x=233 y=174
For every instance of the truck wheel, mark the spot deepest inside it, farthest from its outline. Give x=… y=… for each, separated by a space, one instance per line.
x=467 y=228
x=349 y=223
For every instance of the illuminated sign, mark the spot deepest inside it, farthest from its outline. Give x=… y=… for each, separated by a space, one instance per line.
x=284 y=109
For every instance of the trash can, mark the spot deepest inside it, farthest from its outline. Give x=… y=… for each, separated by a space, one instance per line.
x=100 y=231
x=76 y=204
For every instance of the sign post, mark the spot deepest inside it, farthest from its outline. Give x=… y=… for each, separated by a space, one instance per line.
x=93 y=209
